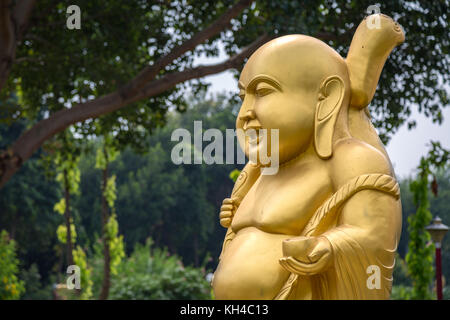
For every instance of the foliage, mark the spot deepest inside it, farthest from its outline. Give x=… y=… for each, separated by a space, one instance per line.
x=59 y=68
x=234 y=174
x=401 y=292
x=60 y=206
x=413 y=76
x=172 y=204
x=420 y=255
x=61 y=233
x=176 y=205
x=35 y=287
x=70 y=166
x=64 y=152
x=11 y=287
x=106 y=154
x=401 y=275
x=408 y=208
x=110 y=191
x=116 y=244
x=56 y=68
x=26 y=206
x=440 y=207
x=152 y=273
x=104 y=157
x=79 y=258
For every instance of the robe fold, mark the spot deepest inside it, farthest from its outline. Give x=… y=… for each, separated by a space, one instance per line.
x=361 y=268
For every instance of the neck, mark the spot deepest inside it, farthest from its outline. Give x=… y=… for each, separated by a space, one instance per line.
x=303 y=155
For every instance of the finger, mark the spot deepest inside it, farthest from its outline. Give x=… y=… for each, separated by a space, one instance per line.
x=305 y=269
x=225 y=214
x=320 y=249
x=316 y=254
x=297 y=267
x=226 y=207
x=225 y=222
x=227 y=201
x=284 y=263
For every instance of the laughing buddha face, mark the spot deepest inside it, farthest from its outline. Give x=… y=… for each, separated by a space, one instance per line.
x=280 y=87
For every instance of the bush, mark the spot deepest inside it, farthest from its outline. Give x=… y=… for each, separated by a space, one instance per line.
x=10 y=285
x=401 y=275
x=152 y=273
x=401 y=292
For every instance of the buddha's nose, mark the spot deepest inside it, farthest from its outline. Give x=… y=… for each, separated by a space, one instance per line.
x=250 y=120
x=249 y=115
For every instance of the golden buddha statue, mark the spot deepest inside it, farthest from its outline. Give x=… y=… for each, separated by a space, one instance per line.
x=331 y=215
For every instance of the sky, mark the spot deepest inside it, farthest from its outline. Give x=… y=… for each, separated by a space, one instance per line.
x=405 y=148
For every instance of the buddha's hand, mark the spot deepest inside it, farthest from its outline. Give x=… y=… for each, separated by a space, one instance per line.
x=227 y=211
x=306 y=255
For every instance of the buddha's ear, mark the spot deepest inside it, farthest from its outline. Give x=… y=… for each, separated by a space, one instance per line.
x=331 y=95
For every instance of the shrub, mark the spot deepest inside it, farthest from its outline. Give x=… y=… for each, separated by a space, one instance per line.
x=10 y=285
x=401 y=292
x=152 y=273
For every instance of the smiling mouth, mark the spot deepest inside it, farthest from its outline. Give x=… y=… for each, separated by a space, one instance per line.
x=253 y=136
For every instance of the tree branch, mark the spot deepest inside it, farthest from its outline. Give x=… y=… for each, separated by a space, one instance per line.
x=160 y=85
x=150 y=72
x=32 y=139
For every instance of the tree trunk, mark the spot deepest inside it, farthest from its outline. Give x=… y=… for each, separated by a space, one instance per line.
x=12 y=233
x=196 y=262
x=14 y=17
x=59 y=269
x=67 y=217
x=106 y=253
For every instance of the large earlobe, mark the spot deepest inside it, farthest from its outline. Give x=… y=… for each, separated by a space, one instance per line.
x=330 y=99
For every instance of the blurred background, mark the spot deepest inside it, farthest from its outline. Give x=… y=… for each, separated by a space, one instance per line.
x=88 y=104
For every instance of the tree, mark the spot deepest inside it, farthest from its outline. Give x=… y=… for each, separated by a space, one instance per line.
x=439 y=206
x=26 y=206
x=175 y=205
x=420 y=255
x=66 y=157
x=94 y=72
x=113 y=247
x=93 y=82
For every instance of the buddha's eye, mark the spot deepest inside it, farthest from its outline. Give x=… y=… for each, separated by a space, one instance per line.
x=263 y=89
x=241 y=94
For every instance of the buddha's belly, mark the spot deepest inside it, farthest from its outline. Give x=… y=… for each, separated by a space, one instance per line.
x=249 y=268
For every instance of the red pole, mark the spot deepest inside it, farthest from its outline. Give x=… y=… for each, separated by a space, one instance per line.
x=438 y=272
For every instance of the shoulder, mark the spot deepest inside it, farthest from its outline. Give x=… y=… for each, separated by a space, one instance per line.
x=353 y=157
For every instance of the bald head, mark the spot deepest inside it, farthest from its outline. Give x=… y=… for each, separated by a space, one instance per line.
x=297 y=62
x=298 y=85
